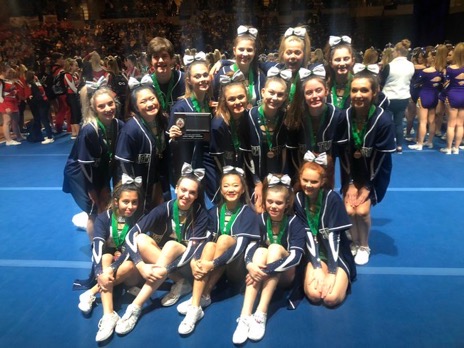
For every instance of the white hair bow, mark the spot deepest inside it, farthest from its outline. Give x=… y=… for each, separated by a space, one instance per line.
x=373 y=68
x=299 y=32
x=236 y=77
x=233 y=170
x=127 y=180
x=319 y=159
x=200 y=56
x=335 y=40
x=187 y=169
x=133 y=83
x=242 y=30
x=318 y=70
x=92 y=86
x=286 y=74
x=273 y=180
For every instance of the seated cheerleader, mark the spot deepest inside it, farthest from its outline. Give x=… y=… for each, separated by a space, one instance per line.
x=233 y=224
x=271 y=262
x=331 y=267
x=164 y=241
x=110 y=231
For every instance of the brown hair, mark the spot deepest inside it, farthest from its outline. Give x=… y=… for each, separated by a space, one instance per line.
x=402 y=47
x=158 y=45
x=290 y=196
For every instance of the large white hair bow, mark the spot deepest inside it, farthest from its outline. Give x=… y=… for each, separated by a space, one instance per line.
x=286 y=74
x=200 y=56
x=299 y=32
x=187 y=169
x=373 y=68
x=127 y=180
x=133 y=83
x=318 y=70
x=335 y=40
x=242 y=30
x=233 y=170
x=273 y=180
x=319 y=159
x=236 y=77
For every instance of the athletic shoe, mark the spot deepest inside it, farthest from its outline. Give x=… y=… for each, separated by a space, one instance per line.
x=257 y=326
x=106 y=326
x=455 y=150
x=362 y=256
x=194 y=314
x=178 y=289
x=242 y=330
x=86 y=300
x=461 y=147
x=12 y=143
x=445 y=150
x=417 y=147
x=183 y=307
x=429 y=145
x=127 y=323
x=48 y=141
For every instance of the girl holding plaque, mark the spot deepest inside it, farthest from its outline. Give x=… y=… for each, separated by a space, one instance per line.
x=365 y=160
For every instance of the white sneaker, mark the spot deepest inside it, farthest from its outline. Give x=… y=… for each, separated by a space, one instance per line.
x=445 y=150
x=193 y=315
x=362 y=257
x=12 y=143
x=183 y=307
x=429 y=145
x=455 y=150
x=128 y=320
x=461 y=147
x=48 y=141
x=242 y=330
x=417 y=147
x=106 y=326
x=257 y=326
x=178 y=289
x=86 y=300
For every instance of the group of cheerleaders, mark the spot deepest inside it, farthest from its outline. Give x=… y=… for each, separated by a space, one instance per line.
x=276 y=132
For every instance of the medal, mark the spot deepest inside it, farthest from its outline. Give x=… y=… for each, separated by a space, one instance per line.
x=270 y=154
x=357 y=154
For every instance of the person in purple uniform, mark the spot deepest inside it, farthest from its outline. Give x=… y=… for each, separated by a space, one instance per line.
x=163 y=242
x=141 y=149
x=365 y=160
x=272 y=261
x=233 y=224
x=455 y=80
x=432 y=80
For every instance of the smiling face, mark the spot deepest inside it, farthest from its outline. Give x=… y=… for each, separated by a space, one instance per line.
x=315 y=94
x=232 y=189
x=311 y=182
x=244 y=52
x=362 y=95
x=162 y=63
x=187 y=193
x=105 y=107
x=127 y=203
x=293 y=54
x=276 y=203
x=236 y=99
x=274 y=95
x=199 y=79
x=147 y=104
x=342 y=61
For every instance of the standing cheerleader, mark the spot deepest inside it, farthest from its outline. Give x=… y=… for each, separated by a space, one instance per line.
x=365 y=160
x=331 y=267
x=233 y=225
x=164 y=241
x=141 y=146
x=111 y=228
x=9 y=107
x=89 y=168
x=272 y=261
x=71 y=81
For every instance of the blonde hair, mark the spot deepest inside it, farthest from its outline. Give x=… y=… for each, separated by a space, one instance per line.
x=458 y=55
x=68 y=63
x=402 y=47
x=306 y=42
x=88 y=103
x=440 y=57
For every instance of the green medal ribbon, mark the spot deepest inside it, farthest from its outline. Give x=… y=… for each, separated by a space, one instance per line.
x=358 y=135
x=105 y=136
x=226 y=226
x=313 y=219
x=175 y=213
x=118 y=237
x=163 y=98
x=158 y=137
x=197 y=107
x=276 y=239
x=291 y=94
x=233 y=132
x=251 y=82
x=309 y=124
x=346 y=94
x=264 y=123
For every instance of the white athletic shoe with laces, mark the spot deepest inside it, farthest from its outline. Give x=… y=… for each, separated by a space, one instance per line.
x=106 y=326
x=183 y=307
x=86 y=300
x=194 y=314
x=127 y=323
x=257 y=326
x=243 y=328
x=178 y=289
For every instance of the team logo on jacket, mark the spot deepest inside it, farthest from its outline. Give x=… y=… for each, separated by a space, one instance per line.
x=366 y=151
x=143 y=158
x=324 y=146
x=255 y=150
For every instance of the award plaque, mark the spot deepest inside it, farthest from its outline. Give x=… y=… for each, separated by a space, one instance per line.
x=195 y=126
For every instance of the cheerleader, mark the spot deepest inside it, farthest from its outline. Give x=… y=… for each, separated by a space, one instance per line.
x=267 y=133
x=365 y=160
x=331 y=268
x=89 y=168
x=233 y=224
x=164 y=241
x=9 y=107
x=111 y=228
x=196 y=99
x=141 y=146
x=272 y=261
x=246 y=61
x=71 y=81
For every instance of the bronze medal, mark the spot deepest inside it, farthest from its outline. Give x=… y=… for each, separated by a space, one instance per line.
x=357 y=154
x=270 y=154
